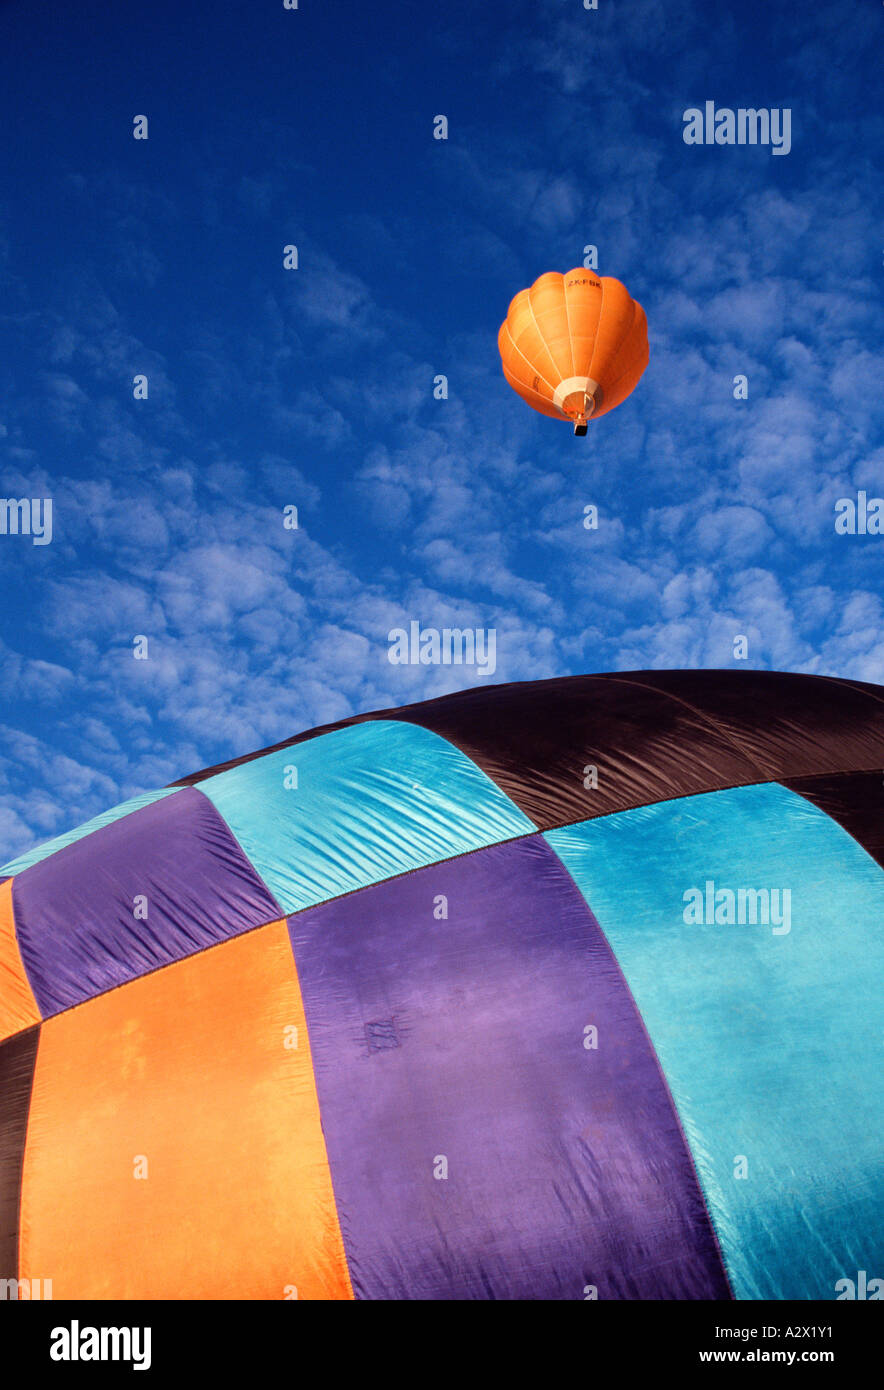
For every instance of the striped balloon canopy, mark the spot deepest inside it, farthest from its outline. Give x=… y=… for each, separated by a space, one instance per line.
x=560 y=990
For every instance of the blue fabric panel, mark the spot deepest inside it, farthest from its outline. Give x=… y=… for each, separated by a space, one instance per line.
x=125 y=808
x=372 y=800
x=770 y=1043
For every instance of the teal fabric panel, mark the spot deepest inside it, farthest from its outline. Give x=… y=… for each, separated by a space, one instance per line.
x=371 y=801
x=771 y=1043
x=125 y=808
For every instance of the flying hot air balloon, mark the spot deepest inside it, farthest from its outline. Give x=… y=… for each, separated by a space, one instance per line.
x=574 y=345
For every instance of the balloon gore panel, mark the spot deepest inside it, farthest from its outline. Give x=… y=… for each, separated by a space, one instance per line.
x=175 y=1147
x=763 y=1010
x=151 y=888
x=521 y=1141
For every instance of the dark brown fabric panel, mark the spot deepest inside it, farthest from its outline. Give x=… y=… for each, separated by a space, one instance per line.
x=17 y=1057
x=789 y=725
x=536 y=740
x=877 y=691
x=652 y=735
x=855 y=800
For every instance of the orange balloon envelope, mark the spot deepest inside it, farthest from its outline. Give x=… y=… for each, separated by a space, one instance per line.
x=575 y=345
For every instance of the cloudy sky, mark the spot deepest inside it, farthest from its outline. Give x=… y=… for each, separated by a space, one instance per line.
x=314 y=387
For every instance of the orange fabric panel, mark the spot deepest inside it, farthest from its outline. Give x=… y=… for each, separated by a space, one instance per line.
x=187 y=1068
x=615 y=322
x=632 y=346
x=583 y=293
x=533 y=398
x=527 y=341
x=631 y=361
x=550 y=311
x=18 y=1007
x=521 y=376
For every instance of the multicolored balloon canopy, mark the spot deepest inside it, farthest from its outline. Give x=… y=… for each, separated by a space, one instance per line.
x=558 y=990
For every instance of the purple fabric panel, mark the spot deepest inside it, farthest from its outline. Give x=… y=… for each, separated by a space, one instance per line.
x=463 y=1039
x=75 y=911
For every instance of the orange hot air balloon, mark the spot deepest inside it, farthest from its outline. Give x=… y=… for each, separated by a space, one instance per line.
x=575 y=345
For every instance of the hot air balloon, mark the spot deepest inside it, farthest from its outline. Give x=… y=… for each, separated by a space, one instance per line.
x=415 y=1006
x=574 y=346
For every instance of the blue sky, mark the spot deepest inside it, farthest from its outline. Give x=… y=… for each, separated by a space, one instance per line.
x=315 y=387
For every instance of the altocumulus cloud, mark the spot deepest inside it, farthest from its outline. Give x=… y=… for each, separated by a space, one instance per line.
x=715 y=515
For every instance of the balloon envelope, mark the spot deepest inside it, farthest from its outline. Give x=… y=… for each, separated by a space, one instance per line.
x=552 y=990
x=574 y=346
